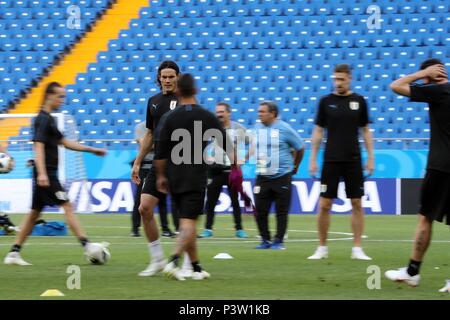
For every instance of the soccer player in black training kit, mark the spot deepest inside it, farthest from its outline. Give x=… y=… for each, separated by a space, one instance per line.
x=342 y=113
x=158 y=105
x=435 y=196
x=146 y=166
x=182 y=170
x=47 y=189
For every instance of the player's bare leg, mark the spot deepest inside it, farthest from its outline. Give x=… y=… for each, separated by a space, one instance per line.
x=187 y=242
x=13 y=257
x=323 y=224
x=357 y=221
x=323 y=219
x=410 y=274
x=146 y=209
x=72 y=221
x=358 y=228
x=75 y=226
x=422 y=238
x=27 y=227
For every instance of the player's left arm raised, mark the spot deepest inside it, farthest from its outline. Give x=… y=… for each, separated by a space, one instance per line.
x=402 y=85
x=72 y=145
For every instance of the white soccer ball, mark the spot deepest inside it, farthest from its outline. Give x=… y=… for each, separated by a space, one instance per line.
x=98 y=253
x=6 y=163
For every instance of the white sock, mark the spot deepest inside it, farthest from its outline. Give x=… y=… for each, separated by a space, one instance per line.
x=155 y=250
x=323 y=248
x=186 y=262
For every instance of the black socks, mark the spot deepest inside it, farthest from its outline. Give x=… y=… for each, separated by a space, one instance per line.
x=84 y=242
x=16 y=248
x=196 y=266
x=413 y=267
x=175 y=259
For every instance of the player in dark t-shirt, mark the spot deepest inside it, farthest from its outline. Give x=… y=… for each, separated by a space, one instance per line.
x=342 y=113
x=158 y=105
x=435 y=195
x=182 y=170
x=47 y=190
x=342 y=116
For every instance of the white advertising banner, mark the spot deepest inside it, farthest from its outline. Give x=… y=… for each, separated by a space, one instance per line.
x=15 y=195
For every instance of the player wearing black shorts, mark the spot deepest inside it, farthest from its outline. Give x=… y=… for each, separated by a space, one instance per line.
x=435 y=196
x=157 y=106
x=342 y=113
x=184 y=171
x=146 y=166
x=47 y=190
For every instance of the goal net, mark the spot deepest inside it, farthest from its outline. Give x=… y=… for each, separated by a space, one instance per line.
x=16 y=133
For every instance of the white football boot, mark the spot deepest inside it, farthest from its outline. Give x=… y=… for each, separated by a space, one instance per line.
x=153 y=268
x=15 y=258
x=358 y=254
x=186 y=272
x=173 y=272
x=200 y=275
x=446 y=288
x=401 y=275
x=320 y=253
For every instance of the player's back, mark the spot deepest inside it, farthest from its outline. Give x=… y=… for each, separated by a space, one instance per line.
x=438 y=98
x=183 y=137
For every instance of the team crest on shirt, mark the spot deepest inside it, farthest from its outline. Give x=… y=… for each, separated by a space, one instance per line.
x=173 y=104
x=274 y=133
x=354 y=105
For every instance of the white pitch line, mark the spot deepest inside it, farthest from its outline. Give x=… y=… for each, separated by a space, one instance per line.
x=235 y=241
x=169 y=242
x=394 y=240
x=310 y=231
x=230 y=229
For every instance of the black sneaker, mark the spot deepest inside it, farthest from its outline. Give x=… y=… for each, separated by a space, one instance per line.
x=168 y=233
x=135 y=234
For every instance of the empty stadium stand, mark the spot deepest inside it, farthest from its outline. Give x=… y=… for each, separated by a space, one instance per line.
x=33 y=36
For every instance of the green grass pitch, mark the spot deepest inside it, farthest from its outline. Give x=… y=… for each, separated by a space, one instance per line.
x=252 y=274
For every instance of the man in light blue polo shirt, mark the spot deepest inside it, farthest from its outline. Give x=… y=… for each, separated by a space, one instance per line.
x=278 y=150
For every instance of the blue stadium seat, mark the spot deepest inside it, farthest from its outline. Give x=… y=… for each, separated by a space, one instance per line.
x=241 y=52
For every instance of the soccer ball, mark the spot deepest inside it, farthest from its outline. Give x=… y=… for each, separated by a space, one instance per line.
x=6 y=163
x=98 y=253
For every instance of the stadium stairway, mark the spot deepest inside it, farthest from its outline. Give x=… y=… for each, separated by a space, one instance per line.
x=84 y=52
